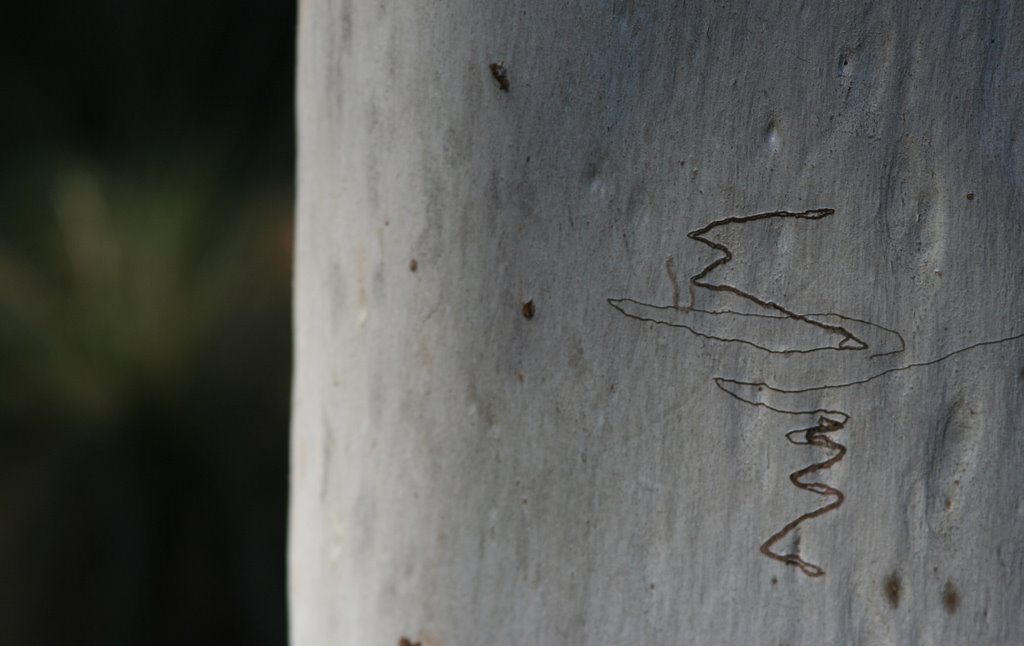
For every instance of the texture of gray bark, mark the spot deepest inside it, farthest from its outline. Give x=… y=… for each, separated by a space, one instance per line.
x=600 y=472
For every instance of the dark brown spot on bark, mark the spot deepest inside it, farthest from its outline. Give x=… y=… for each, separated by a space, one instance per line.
x=529 y=310
x=950 y=597
x=500 y=75
x=413 y=265
x=893 y=585
x=970 y=196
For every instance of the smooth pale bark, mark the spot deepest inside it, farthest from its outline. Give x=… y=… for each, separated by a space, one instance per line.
x=601 y=473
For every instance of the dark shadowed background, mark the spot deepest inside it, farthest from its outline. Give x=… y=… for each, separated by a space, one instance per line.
x=145 y=259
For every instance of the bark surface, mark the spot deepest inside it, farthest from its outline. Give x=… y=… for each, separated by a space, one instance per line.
x=659 y=323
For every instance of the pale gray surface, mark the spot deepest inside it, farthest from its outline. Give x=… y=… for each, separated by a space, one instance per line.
x=462 y=475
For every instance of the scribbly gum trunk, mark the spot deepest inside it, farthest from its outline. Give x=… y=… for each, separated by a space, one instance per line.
x=658 y=323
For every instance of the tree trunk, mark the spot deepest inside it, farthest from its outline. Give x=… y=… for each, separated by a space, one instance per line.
x=659 y=323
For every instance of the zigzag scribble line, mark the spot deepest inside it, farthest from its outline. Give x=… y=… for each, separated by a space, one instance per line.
x=848 y=334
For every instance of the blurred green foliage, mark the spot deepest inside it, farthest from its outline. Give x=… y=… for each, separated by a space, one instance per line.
x=132 y=280
x=145 y=258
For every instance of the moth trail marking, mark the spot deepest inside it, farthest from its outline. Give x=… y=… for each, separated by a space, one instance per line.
x=880 y=346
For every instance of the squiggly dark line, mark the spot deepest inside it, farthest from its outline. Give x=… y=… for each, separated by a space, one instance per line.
x=617 y=303
x=889 y=371
x=829 y=421
x=698 y=279
x=815 y=436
